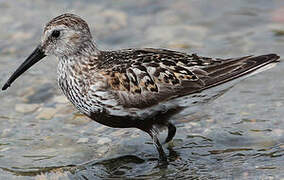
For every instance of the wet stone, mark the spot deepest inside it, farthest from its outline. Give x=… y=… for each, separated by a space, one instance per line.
x=60 y=99
x=102 y=150
x=101 y=129
x=78 y=120
x=104 y=140
x=53 y=175
x=179 y=45
x=56 y=142
x=6 y=133
x=25 y=93
x=26 y=108
x=83 y=140
x=46 y=113
x=4 y=149
x=64 y=109
x=119 y=133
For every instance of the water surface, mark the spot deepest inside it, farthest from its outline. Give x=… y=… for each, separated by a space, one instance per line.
x=240 y=135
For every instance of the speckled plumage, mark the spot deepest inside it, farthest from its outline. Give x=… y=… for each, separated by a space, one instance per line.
x=139 y=88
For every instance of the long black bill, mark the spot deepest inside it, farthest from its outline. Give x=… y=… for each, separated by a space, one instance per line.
x=36 y=55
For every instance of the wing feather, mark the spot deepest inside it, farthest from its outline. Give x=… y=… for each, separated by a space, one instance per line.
x=144 y=77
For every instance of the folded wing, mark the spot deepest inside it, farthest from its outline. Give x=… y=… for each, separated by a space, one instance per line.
x=151 y=76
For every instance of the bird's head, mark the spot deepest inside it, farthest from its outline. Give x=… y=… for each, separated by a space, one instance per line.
x=65 y=35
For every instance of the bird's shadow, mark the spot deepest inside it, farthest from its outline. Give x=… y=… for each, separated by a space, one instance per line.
x=126 y=166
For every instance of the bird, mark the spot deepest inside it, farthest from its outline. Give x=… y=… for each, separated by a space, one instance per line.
x=132 y=88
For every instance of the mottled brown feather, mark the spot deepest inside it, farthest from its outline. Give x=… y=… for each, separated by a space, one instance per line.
x=150 y=76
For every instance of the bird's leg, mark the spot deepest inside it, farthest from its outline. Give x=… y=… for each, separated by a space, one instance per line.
x=162 y=156
x=171 y=132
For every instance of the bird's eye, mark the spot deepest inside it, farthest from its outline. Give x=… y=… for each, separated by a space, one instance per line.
x=55 y=33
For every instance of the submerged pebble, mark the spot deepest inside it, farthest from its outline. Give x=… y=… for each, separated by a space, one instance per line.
x=104 y=140
x=102 y=150
x=83 y=140
x=60 y=99
x=26 y=108
x=6 y=133
x=46 y=113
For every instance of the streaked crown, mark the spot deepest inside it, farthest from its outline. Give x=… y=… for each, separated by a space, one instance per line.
x=66 y=35
x=71 y=21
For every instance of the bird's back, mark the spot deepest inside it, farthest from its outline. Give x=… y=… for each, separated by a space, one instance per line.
x=141 y=78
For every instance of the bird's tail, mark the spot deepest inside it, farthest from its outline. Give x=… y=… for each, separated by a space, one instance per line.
x=238 y=67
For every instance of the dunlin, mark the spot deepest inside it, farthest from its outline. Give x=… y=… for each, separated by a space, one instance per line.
x=140 y=88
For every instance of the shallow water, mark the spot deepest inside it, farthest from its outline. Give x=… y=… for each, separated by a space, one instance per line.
x=240 y=135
